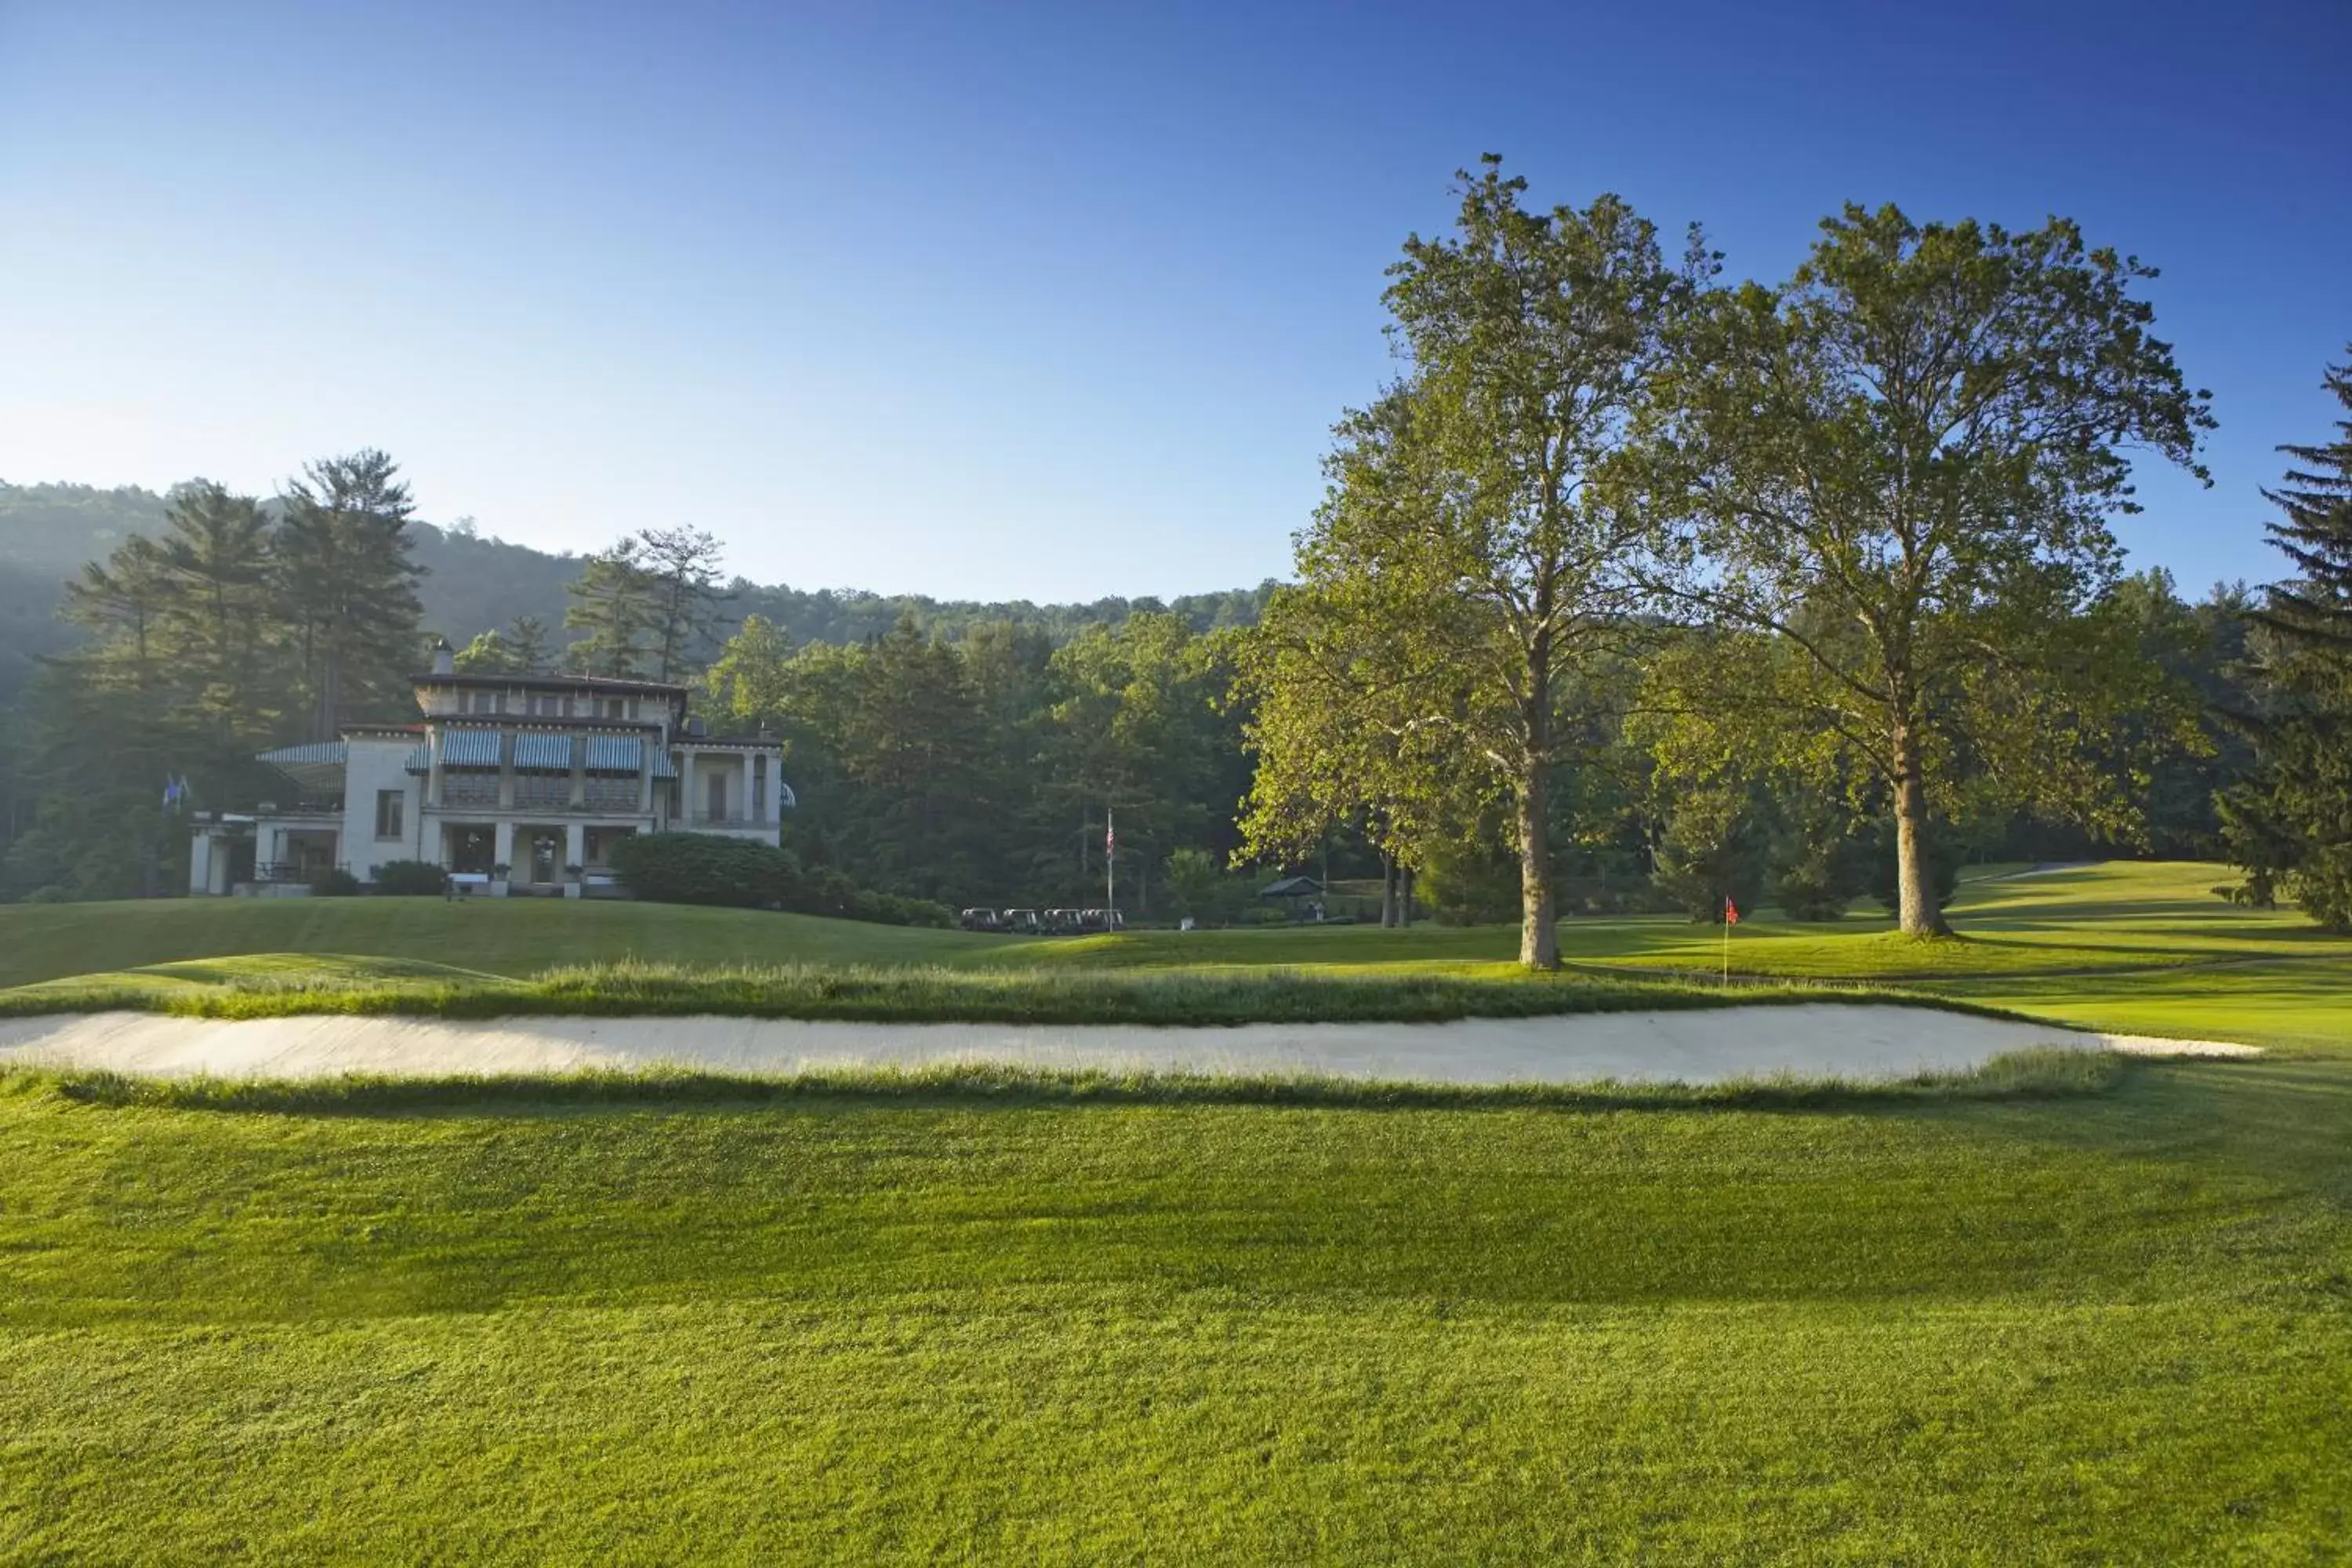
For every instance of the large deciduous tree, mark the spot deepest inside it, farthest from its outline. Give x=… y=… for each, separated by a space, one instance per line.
x=2291 y=826
x=1484 y=530
x=1904 y=462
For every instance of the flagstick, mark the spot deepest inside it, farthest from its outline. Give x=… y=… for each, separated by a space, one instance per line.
x=1727 y=943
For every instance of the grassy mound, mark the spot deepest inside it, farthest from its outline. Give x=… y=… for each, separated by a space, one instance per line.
x=283 y=985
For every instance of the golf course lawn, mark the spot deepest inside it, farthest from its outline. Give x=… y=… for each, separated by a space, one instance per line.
x=2131 y=947
x=2096 y=1326
x=2102 y=1329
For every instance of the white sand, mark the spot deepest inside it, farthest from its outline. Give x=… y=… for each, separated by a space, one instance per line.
x=1695 y=1047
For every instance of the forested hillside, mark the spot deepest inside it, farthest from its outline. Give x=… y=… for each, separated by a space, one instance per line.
x=473 y=582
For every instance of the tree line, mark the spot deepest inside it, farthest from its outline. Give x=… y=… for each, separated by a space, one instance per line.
x=1633 y=589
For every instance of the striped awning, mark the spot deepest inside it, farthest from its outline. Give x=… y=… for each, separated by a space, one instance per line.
x=470 y=748
x=616 y=754
x=665 y=765
x=333 y=752
x=317 y=766
x=420 y=761
x=549 y=753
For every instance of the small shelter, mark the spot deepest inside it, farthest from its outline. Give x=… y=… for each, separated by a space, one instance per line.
x=1301 y=896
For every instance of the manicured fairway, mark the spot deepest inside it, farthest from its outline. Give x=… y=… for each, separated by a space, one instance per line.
x=504 y=936
x=2104 y=1322
x=2122 y=946
x=2114 y=1327
x=2108 y=1329
x=2118 y=915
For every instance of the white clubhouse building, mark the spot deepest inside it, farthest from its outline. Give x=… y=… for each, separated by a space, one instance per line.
x=516 y=784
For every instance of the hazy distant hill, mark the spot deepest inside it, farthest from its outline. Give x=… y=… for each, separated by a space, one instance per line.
x=475 y=584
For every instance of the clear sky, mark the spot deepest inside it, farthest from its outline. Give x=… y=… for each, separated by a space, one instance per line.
x=1033 y=300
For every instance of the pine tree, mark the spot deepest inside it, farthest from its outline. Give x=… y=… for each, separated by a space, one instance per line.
x=217 y=617
x=2291 y=826
x=2311 y=615
x=528 y=644
x=347 y=585
x=612 y=608
x=682 y=565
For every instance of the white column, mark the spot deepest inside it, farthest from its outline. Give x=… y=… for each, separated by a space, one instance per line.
x=502 y=851
x=575 y=853
x=743 y=806
x=200 y=863
x=686 y=805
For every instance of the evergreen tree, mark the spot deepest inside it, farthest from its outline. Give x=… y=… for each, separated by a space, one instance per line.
x=219 y=619
x=613 y=609
x=2291 y=826
x=123 y=600
x=529 y=646
x=347 y=586
x=682 y=565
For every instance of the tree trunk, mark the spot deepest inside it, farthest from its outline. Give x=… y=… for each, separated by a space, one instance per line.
x=1915 y=884
x=1387 y=891
x=1405 y=878
x=1539 y=928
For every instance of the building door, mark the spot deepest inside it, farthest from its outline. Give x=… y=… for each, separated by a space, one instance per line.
x=544 y=848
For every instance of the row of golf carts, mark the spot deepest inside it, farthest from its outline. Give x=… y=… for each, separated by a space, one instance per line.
x=1042 y=922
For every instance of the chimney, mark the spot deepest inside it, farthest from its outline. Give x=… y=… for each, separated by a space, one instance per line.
x=444 y=662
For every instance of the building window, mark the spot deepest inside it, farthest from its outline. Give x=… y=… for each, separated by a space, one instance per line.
x=718 y=812
x=758 y=789
x=389 y=803
x=615 y=708
x=611 y=792
x=469 y=786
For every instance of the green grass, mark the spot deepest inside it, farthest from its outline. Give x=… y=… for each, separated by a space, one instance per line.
x=2114 y=916
x=2112 y=1328
x=2145 y=947
x=277 y=986
x=503 y=936
x=2065 y=1309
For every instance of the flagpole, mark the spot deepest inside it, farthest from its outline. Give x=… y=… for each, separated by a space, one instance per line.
x=1727 y=941
x=1110 y=865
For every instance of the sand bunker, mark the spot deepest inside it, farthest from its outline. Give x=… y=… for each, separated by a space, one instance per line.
x=1692 y=1046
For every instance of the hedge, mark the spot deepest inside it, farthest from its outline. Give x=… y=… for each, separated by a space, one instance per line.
x=736 y=873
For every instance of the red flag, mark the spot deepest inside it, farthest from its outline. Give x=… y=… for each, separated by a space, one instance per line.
x=1730 y=912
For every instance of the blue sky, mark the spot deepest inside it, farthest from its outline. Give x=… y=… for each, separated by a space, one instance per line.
x=1035 y=300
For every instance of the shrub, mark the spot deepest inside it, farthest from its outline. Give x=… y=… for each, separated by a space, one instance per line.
x=1819 y=877
x=411 y=880
x=1465 y=885
x=334 y=883
x=705 y=869
x=1712 y=850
